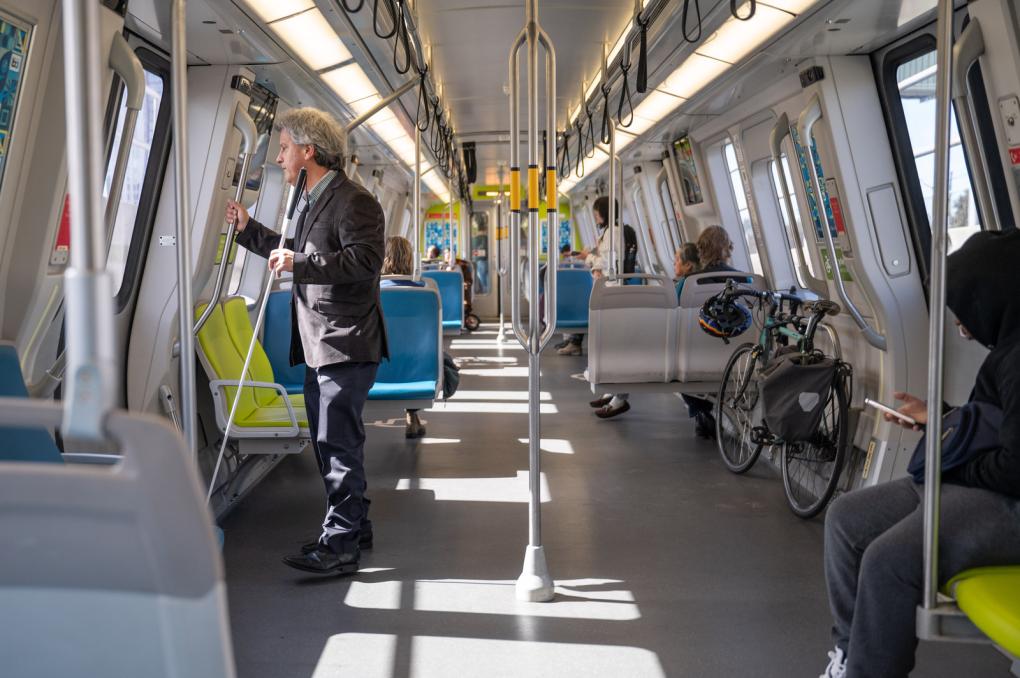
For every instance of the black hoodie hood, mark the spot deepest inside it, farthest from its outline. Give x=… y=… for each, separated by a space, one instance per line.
x=983 y=286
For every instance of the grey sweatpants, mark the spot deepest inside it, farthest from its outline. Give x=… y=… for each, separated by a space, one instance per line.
x=874 y=563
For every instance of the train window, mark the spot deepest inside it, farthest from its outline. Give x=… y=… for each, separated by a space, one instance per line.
x=915 y=82
x=740 y=196
x=137 y=178
x=795 y=224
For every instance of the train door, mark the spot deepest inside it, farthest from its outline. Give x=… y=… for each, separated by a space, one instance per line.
x=482 y=248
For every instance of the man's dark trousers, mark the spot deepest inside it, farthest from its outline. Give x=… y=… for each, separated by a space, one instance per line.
x=335 y=397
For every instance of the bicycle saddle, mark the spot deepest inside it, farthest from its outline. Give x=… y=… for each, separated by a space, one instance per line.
x=823 y=306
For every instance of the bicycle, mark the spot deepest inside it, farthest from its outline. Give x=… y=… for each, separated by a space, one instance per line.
x=810 y=468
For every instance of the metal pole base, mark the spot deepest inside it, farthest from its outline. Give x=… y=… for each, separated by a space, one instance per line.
x=535 y=585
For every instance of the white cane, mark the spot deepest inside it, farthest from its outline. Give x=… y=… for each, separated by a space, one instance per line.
x=295 y=192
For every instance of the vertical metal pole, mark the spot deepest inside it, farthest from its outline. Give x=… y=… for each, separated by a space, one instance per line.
x=937 y=301
x=614 y=268
x=534 y=583
x=185 y=299
x=416 y=203
x=500 y=257
x=449 y=223
x=91 y=379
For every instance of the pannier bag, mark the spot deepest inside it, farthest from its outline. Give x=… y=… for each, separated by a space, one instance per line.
x=795 y=389
x=968 y=432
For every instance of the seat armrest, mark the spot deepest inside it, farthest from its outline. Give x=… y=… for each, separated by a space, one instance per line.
x=221 y=417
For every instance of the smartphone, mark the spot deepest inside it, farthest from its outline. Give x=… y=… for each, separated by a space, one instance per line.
x=888 y=410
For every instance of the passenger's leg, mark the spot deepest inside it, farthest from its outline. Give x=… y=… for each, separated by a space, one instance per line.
x=343 y=389
x=852 y=523
x=977 y=528
x=700 y=410
x=311 y=390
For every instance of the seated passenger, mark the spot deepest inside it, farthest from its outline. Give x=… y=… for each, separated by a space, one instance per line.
x=609 y=405
x=874 y=537
x=685 y=262
x=714 y=251
x=399 y=260
x=596 y=259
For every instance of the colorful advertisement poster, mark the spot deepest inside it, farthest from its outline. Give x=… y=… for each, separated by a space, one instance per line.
x=13 y=51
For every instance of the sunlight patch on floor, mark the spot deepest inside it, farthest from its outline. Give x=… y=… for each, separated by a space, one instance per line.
x=495 y=372
x=553 y=445
x=497 y=597
x=497 y=395
x=511 y=490
x=489 y=408
x=374 y=655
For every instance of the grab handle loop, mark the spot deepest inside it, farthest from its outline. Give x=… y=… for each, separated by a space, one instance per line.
x=750 y=13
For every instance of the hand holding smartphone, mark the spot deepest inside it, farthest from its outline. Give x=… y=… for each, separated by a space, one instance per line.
x=890 y=411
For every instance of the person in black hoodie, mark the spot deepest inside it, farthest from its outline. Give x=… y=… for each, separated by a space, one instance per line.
x=874 y=536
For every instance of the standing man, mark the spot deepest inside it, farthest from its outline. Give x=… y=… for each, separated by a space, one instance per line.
x=336 y=320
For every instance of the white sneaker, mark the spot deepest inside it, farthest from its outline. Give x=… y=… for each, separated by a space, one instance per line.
x=837 y=665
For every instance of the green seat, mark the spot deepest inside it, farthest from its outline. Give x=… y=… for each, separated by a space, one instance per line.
x=223 y=343
x=990 y=597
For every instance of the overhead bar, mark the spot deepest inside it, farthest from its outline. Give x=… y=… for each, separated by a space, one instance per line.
x=386 y=101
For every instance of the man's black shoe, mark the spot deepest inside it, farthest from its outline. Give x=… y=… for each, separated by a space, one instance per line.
x=609 y=411
x=704 y=425
x=601 y=402
x=324 y=561
x=364 y=542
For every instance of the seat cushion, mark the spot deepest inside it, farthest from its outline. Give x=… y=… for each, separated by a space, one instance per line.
x=571 y=324
x=990 y=597
x=21 y=444
x=413 y=390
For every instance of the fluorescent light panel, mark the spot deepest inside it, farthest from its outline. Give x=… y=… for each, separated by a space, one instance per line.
x=350 y=83
x=271 y=10
x=736 y=39
x=311 y=37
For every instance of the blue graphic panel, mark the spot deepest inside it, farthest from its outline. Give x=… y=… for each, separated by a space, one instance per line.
x=806 y=174
x=13 y=49
x=436 y=234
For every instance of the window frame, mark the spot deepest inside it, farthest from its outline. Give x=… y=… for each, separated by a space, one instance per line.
x=885 y=63
x=155 y=173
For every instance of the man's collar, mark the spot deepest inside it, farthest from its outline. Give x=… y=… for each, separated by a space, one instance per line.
x=312 y=194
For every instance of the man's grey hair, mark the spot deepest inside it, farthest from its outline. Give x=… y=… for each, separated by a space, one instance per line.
x=321 y=131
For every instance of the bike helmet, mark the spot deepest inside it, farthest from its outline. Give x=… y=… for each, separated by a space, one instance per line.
x=724 y=318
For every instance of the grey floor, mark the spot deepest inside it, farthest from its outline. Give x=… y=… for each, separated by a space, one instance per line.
x=666 y=564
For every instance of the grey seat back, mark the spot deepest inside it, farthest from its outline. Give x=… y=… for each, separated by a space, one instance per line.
x=632 y=332
x=109 y=571
x=702 y=357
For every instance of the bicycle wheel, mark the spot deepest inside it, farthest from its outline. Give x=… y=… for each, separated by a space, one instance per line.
x=811 y=469
x=736 y=403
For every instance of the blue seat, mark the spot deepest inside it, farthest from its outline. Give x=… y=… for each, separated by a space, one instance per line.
x=451 y=290
x=412 y=372
x=276 y=343
x=21 y=444
x=573 y=290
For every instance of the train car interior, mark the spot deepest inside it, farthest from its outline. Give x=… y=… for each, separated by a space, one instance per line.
x=661 y=376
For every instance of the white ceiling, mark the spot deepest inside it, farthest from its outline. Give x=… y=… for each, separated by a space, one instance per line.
x=470 y=42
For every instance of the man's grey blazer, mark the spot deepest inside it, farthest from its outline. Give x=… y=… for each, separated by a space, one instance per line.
x=336 y=315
